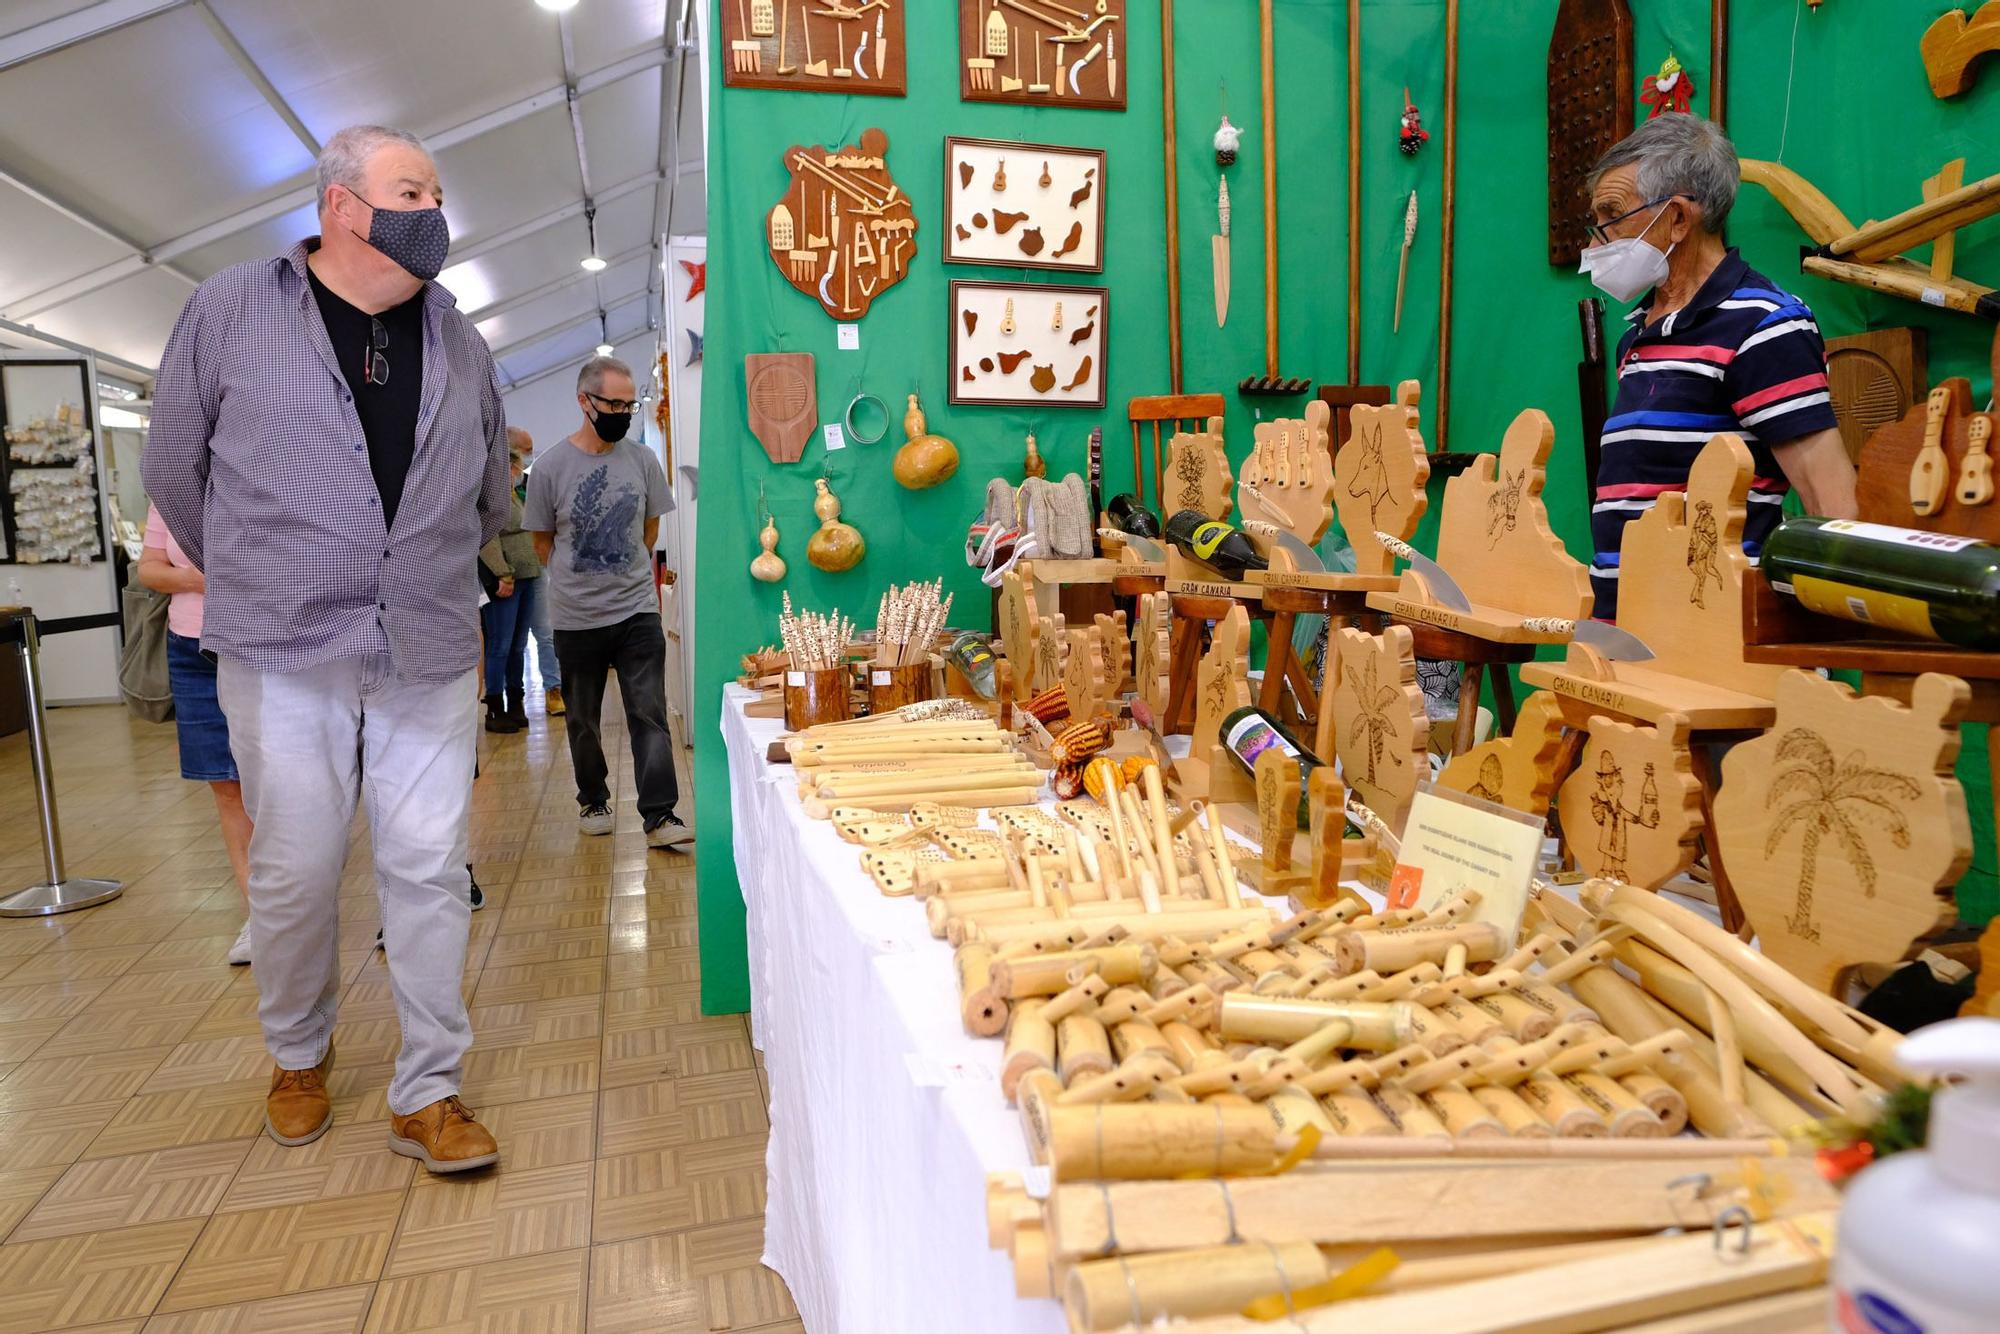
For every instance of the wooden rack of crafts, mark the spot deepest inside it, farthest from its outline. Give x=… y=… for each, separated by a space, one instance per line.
x=1252 y=1093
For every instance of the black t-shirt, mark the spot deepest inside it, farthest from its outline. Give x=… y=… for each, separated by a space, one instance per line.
x=388 y=411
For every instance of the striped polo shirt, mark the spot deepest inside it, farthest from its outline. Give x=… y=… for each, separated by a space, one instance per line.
x=1743 y=356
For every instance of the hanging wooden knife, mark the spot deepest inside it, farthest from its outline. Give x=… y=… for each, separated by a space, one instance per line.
x=1220 y=242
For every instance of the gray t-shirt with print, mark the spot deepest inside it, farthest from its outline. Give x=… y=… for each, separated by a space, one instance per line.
x=597 y=506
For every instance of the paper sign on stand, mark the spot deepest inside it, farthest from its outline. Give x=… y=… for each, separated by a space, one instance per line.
x=1453 y=843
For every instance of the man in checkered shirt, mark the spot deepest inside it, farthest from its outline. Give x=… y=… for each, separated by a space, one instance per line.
x=328 y=446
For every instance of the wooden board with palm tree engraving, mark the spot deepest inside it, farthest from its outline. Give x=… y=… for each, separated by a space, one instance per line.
x=1379 y=726
x=1842 y=824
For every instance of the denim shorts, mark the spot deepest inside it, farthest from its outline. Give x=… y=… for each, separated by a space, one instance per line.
x=204 y=732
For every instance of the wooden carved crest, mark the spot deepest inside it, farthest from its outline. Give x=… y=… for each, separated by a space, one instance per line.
x=1018 y=626
x=1518 y=771
x=1290 y=468
x=1632 y=809
x=1086 y=679
x=1222 y=683
x=1842 y=824
x=1152 y=652
x=1379 y=476
x=844 y=232
x=1494 y=537
x=1379 y=726
x=1197 y=476
x=1052 y=652
x=1117 y=643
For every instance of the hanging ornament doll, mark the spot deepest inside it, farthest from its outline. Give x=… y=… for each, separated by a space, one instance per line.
x=1672 y=89
x=1413 y=135
x=1228 y=139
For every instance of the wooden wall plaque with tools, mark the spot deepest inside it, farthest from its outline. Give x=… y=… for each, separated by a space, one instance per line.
x=1060 y=53
x=816 y=46
x=844 y=231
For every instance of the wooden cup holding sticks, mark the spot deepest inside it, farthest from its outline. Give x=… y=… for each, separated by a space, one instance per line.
x=815 y=696
x=893 y=687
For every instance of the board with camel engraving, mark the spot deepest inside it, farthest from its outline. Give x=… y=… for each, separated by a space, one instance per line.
x=816 y=46
x=1062 y=53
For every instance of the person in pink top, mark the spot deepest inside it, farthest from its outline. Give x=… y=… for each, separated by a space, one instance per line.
x=203 y=731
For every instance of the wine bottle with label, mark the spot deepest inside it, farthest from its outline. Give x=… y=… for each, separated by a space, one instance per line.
x=1128 y=514
x=972 y=654
x=1932 y=585
x=1248 y=732
x=1215 y=544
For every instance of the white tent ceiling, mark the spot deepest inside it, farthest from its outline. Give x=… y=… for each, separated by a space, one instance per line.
x=146 y=144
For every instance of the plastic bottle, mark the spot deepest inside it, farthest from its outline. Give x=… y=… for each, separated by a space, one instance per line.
x=1919 y=1249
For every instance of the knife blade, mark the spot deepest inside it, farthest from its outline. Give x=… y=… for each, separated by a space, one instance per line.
x=1304 y=558
x=1148 y=549
x=1442 y=586
x=1617 y=644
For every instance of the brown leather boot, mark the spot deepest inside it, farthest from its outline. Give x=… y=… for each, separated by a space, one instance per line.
x=298 y=1109
x=444 y=1137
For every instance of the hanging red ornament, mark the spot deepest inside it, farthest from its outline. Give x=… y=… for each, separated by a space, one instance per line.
x=1413 y=135
x=1672 y=89
x=697 y=278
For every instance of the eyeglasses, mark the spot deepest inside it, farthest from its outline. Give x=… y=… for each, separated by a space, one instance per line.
x=611 y=404
x=1601 y=231
x=375 y=366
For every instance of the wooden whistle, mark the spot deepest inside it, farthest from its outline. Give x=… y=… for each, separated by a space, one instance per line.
x=1975 y=476
x=1928 y=473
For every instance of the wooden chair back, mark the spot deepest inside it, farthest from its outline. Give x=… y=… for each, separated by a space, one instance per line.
x=1171 y=412
x=1344 y=398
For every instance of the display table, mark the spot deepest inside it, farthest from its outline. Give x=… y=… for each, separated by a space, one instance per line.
x=886 y=1116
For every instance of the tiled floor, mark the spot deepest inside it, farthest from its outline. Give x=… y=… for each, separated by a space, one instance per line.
x=137 y=1190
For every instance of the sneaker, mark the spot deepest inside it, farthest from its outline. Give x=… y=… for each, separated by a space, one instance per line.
x=597 y=819
x=239 y=952
x=444 y=1137
x=669 y=833
x=478 y=895
x=552 y=703
x=298 y=1108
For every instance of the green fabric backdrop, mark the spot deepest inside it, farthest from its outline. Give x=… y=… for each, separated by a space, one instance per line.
x=1864 y=127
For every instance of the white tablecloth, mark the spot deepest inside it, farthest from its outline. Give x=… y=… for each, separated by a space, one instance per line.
x=885 y=1115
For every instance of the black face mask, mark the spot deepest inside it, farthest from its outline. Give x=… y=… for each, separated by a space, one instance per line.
x=416 y=240
x=611 y=426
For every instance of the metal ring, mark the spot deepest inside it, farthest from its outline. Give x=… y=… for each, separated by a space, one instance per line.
x=1229 y=1202
x=847 y=418
x=1110 y=1220
x=1132 y=1290
x=1720 y=1228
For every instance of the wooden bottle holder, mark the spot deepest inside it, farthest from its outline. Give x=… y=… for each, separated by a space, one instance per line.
x=893 y=687
x=816 y=697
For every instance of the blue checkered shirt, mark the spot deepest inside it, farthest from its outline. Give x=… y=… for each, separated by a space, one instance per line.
x=257 y=462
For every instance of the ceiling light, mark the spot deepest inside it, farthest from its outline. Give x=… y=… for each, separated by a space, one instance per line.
x=557 y=6
x=593 y=264
x=605 y=349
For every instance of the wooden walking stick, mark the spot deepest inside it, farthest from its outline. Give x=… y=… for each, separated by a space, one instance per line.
x=1270 y=383
x=1354 y=195
x=1173 y=192
x=1448 y=214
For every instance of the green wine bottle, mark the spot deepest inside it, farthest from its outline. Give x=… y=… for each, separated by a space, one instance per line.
x=1932 y=585
x=1215 y=544
x=1248 y=732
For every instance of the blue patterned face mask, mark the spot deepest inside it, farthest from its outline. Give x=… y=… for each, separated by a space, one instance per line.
x=416 y=239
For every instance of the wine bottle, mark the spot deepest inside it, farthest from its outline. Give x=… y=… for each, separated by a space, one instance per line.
x=973 y=656
x=1933 y=585
x=1248 y=732
x=1215 y=544
x=1129 y=515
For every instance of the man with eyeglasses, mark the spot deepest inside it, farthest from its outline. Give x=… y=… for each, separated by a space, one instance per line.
x=329 y=448
x=594 y=504
x=1715 y=346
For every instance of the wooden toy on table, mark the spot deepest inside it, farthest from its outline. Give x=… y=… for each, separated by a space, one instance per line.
x=1632 y=810
x=1843 y=822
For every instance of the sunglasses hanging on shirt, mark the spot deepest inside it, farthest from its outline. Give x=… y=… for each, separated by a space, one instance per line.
x=374 y=365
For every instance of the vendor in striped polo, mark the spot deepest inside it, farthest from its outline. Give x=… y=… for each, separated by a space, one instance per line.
x=1714 y=345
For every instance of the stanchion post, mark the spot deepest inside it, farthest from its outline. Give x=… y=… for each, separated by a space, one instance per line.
x=58 y=894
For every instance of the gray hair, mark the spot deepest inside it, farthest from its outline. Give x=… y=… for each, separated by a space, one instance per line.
x=1679 y=154
x=591 y=378
x=344 y=160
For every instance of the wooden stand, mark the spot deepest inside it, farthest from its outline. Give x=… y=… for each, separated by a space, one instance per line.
x=816 y=697
x=893 y=687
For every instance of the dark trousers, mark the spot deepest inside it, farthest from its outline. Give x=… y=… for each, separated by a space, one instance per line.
x=636 y=649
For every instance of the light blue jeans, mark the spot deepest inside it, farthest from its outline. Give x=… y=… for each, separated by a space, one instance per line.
x=545 y=639
x=310 y=746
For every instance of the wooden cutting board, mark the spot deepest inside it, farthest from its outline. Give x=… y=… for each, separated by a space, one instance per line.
x=1590 y=109
x=783 y=395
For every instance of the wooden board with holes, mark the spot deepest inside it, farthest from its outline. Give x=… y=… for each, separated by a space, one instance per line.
x=816 y=46
x=1017 y=623
x=1631 y=810
x=1152 y=660
x=844 y=232
x=1590 y=108
x=1197 y=476
x=1883 y=484
x=1379 y=726
x=1873 y=379
x=1378 y=478
x=1494 y=536
x=1517 y=771
x=1290 y=471
x=1044 y=53
x=781 y=392
x=1841 y=825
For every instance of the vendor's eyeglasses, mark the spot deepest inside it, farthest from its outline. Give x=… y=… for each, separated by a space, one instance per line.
x=611 y=404
x=375 y=366
x=1600 y=232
